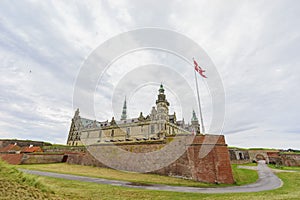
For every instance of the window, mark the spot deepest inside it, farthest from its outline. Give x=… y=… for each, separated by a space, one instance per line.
x=112 y=133
x=128 y=132
x=241 y=156
x=152 y=129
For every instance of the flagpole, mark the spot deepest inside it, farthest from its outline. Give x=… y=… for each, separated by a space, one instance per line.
x=199 y=104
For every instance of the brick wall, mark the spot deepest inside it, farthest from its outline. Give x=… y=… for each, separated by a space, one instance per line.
x=206 y=159
x=14 y=159
x=291 y=159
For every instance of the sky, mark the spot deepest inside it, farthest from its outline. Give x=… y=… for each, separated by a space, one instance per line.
x=254 y=46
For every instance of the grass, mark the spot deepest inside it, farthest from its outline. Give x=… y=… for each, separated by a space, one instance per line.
x=259 y=148
x=79 y=190
x=17 y=185
x=67 y=189
x=253 y=148
x=241 y=175
x=233 y=147
x=284 y=167
x=290 y=152
x=244 y=176
x=114 y=174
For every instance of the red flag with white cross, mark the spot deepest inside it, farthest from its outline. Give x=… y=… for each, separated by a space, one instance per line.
x=199 y=69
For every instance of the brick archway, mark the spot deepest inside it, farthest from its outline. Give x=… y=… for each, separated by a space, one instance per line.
x=259 y=157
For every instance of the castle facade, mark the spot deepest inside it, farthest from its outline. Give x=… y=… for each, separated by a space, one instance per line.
x=158 y=124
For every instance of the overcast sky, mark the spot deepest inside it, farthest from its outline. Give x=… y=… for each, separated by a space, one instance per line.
x=254 y=45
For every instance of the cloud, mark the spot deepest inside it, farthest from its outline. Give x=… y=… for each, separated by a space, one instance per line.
x=254 y=46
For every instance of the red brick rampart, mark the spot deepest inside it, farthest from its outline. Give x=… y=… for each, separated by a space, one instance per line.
x=205 y=159
x=14 y=159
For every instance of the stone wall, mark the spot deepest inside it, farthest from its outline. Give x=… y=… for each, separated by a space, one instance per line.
x=274 y=158
x=16 y=159
x=239 y=154
x=63 y=149
x=271 y=156
x=41 y=158
x=206 y=159
x=291 y=159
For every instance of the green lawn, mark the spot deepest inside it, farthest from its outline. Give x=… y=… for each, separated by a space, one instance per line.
x=242 y=176
x=19 y=186
x=79 y=190
x=284 y=167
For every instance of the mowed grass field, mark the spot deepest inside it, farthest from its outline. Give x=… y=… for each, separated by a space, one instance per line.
x=242 y=176
x=53 y=188
x=284 y=167
x=79 y=190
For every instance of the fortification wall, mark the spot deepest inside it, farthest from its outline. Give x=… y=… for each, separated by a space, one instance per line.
x=14 y=159
x=63 y=149
x=41 y=158
x=292 y=159
x=206 y=159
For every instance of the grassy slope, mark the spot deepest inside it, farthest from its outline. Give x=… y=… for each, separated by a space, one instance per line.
x=79 y=190
x=284 y=167
x=16 y=185
x=242 y=176
x=67 y=189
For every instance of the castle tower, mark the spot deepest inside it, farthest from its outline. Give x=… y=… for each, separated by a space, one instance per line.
x=195 y=123
x=124 y=112
x=74 y=132
x=162 y=106
x=153 y=114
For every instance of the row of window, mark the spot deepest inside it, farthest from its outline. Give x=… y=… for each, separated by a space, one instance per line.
x=152 y=130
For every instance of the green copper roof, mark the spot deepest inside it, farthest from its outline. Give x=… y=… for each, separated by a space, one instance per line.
x=194 y=117
x=161 y=88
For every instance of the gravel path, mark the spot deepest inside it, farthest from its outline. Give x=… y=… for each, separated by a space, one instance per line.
x=267 y=181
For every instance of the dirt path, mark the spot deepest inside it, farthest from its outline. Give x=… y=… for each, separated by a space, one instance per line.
x=267 y=181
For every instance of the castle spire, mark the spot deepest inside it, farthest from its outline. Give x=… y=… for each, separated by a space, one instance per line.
x=161 y=89
x=161 y=95
x=195 y=124
x=124 y=112
x=194 y=117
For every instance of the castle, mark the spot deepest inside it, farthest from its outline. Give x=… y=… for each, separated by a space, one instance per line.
x=157 y=143
x=155 y=126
